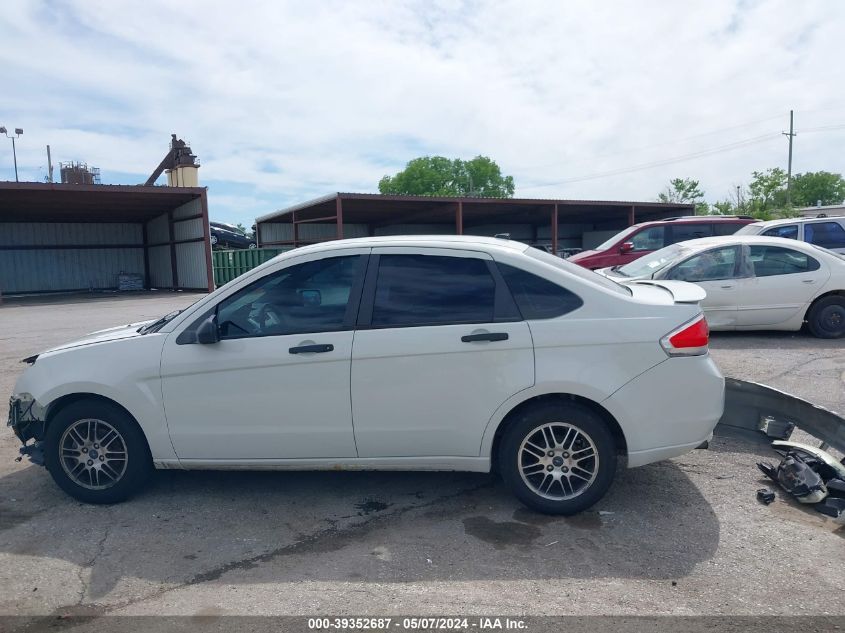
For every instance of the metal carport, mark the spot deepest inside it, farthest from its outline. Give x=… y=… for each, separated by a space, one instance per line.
x=564 y=223
x=62 y=237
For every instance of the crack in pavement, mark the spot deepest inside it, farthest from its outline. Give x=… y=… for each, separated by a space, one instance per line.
x=329 y=539
x=85 y=585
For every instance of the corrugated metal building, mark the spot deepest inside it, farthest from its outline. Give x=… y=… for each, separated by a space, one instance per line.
x=558 y=224
x=61 y=237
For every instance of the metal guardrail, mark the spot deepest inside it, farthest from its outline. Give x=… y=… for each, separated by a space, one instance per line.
x=229 y=265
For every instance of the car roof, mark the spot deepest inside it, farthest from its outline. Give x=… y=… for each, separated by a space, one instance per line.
x=696 y=219
x=703 y=243
x=784 y=221
x=430 y=241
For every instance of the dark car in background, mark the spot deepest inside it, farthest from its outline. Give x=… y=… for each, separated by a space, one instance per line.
x=229 y=236
x=647 y=237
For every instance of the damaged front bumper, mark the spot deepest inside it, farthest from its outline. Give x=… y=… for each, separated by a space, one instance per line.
x=27 y=418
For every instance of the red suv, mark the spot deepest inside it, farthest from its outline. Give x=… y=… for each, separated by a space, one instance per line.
x=641 y=239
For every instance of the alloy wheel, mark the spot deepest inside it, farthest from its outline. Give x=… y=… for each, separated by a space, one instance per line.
x=558 y=461
x=93 y=454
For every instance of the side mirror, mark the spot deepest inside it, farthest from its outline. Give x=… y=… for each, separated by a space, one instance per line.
x=626 y=247
x=208 y=332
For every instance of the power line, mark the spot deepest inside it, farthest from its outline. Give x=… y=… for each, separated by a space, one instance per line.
x=664 y=143
x=667 y=161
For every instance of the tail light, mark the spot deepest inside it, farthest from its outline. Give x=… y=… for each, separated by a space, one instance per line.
x=690 y=339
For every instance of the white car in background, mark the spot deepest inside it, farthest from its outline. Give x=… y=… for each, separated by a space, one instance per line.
x=826 y=232
x=753 y=282
x=417 y=353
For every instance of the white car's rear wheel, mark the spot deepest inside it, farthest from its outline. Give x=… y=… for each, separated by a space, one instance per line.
x=827 y=317
x=558 y=458
x=96 y=452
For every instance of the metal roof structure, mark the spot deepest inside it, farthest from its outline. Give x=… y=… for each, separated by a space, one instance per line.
x=377 y=210
x=52 y=202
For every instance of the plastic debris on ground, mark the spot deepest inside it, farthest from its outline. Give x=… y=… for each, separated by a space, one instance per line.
x=810 y=474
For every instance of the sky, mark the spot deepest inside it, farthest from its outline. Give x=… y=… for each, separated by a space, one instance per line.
x=287 y=101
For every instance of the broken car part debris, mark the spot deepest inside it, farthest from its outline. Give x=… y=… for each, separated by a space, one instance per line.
x=765 y=496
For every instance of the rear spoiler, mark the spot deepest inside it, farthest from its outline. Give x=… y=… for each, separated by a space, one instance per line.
x=681 y=291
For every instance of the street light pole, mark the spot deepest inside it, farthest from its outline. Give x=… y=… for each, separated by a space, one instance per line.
x=18 y=132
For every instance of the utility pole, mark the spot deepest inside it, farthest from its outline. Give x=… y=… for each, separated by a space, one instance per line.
x=791 y=134
x=18 y=132
x=49 y=166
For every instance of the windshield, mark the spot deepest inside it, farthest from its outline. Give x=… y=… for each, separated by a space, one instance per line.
x=615 y=239
x=750 y=229
x=649 y=264
x=578 y=271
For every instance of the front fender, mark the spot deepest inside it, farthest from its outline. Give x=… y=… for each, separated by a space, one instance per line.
x=126 y=372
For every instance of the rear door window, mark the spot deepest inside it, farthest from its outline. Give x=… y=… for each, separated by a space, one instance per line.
x=690 y=231
x=649 y=239
x=418 y=290
x=776 y=260
x=789 y=231
x=536 y=297
x=825 y=234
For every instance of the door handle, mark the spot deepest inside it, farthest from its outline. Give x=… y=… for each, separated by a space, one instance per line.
x=809 y=281
x=312 y=349
x=727 y=286
x=485 y=336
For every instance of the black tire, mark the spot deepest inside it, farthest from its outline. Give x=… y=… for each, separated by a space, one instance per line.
x=826 y=318
x=564 y=416
x=134 y=471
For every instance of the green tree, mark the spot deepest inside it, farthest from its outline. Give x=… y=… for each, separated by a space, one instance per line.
x=685 y=191
x=440 y=176
x=767 y=190
x=810 y=188
x=724 y=207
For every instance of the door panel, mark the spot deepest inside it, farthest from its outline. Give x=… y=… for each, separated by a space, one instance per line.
x=785 y=281
x=277 y=383
x=252 y=398
x=720 y=273
x=423 y=391
x=422 y=383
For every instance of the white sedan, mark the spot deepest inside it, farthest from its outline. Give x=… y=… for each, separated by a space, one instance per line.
x=754 y=282
x=418 y=353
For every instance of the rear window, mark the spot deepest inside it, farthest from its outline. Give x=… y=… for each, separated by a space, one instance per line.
x=536 y=297
x=579 y=271
x=788 y=231
x=825 y=234
x=750 y=229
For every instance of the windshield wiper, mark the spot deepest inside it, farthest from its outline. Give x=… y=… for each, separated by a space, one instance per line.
x=155 y=325
x=616 y=269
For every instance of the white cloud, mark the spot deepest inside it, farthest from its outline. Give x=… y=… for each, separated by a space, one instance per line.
x=284 y=101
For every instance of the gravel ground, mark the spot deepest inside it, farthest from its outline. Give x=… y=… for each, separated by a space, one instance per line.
x=685 y=536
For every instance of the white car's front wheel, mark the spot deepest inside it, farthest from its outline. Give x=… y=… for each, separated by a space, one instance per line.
x=558 y=458
x=96 y=452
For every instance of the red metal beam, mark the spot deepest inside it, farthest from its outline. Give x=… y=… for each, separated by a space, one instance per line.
x=554 y=230
x=147 y=281
x=323 y=219
x=174 y=269
x=339 y=218
x=459 y=218
x=209 y=266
